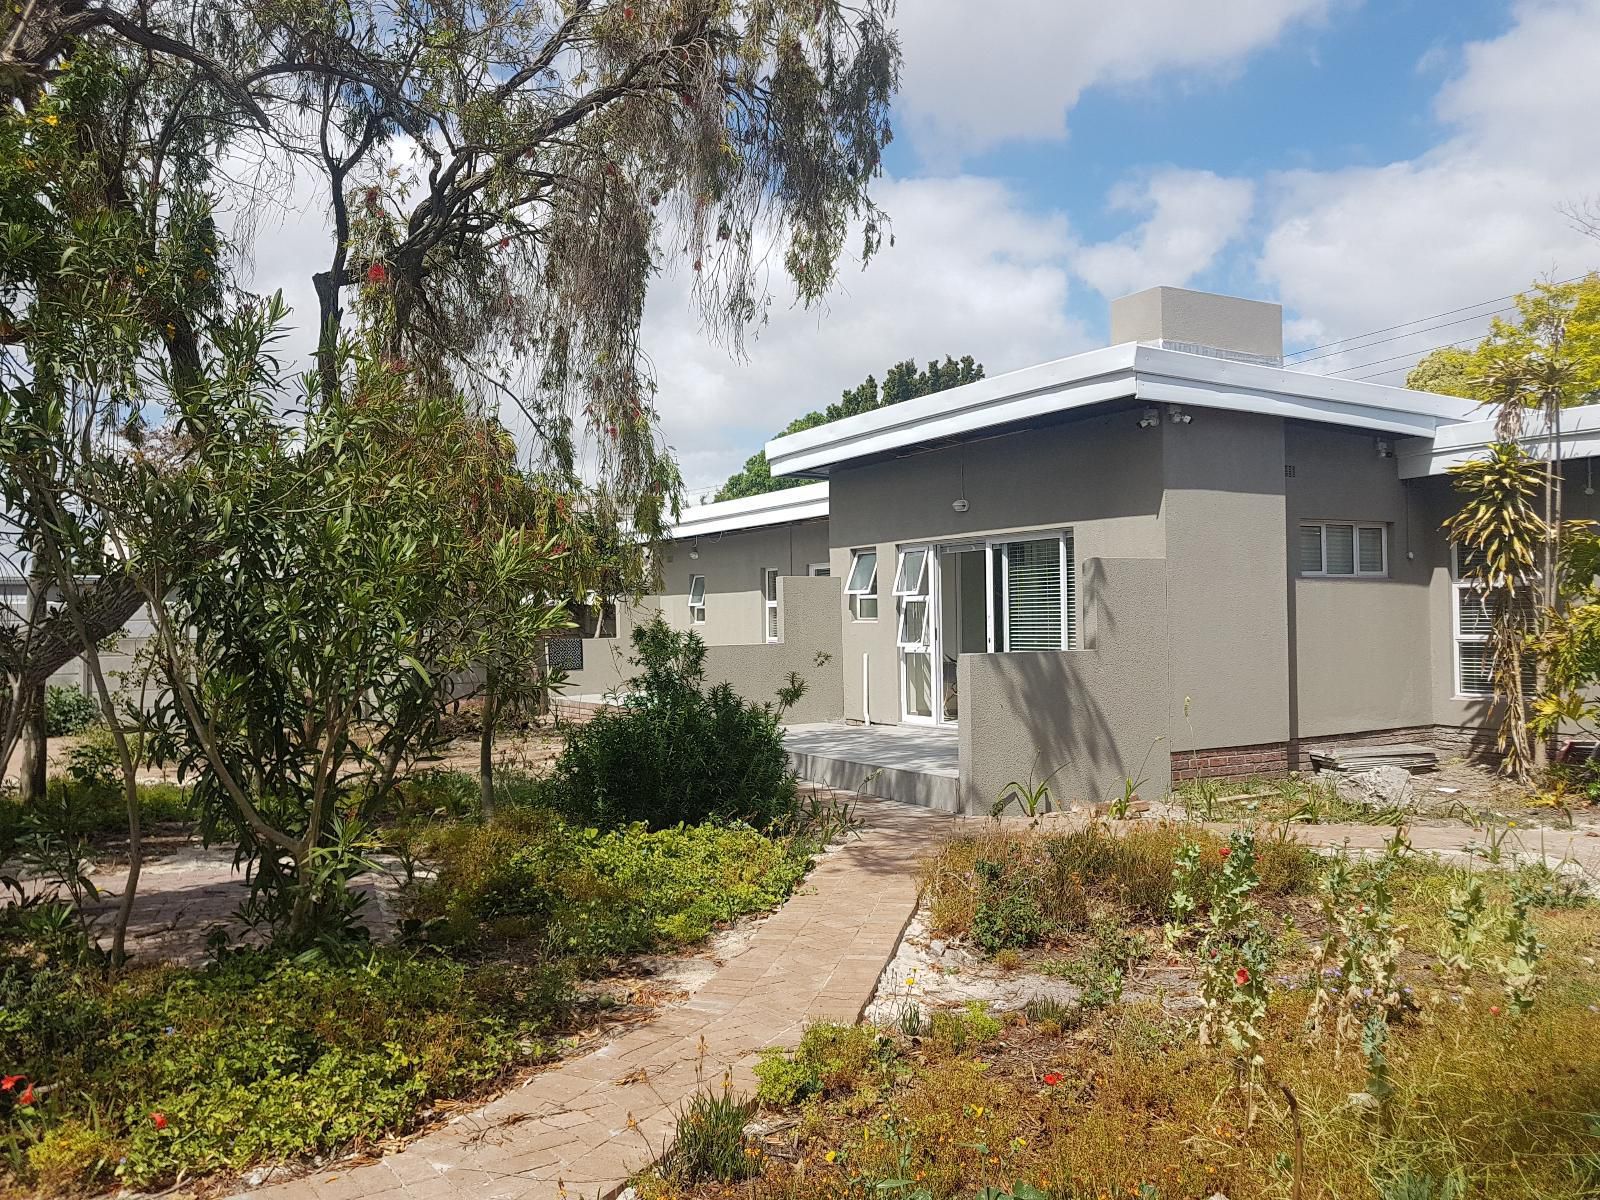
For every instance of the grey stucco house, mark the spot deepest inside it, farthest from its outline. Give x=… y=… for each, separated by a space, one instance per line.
x=1171 y=556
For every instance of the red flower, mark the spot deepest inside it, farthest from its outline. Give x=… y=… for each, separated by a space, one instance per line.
x=1495 y=1009
x=9 y=1082
x=1241 y=977
x=27 y=1096
x=159 y=1120
x=1226 y=851
x=1053 y=1078
x=377 y=274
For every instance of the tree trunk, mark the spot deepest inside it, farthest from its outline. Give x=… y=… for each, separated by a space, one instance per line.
x=486 y=749
x=34 y=746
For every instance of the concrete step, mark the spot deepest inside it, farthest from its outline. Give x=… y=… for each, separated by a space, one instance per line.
x=852 y=772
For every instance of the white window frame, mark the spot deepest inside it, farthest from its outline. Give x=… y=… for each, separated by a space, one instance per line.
x=1355 y=549
x=697 y=612
x=769 y=603
x=1069 y=605
x=868 y=594
x=819 y=570
x=1458 y=585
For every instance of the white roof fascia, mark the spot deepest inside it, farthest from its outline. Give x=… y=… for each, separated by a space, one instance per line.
x=1452 y=445
x=1132 y=369
x=1063 y=384
x=804 y=503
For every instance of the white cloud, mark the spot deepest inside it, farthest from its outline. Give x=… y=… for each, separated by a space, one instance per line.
x=979 y=75
x=971 y=272
x=1477 y=216
x=1191 y=216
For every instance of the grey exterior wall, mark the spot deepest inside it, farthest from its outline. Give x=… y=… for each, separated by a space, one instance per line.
x=809 y=633
x=732 y=564
x=1091 y=716
x=1360 y=646
x=1227 y=612
x=1099 y=475
x=809 y=645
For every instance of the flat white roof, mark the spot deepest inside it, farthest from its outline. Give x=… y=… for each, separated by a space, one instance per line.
x=1466 y=440
x=1132 y=370
x=803 y=503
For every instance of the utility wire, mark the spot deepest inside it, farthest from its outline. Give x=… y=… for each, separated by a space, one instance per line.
x=1407 y=354
x=1355 y=337
x=1401 y=336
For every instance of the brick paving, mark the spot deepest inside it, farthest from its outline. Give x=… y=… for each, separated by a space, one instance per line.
x=582 y=1128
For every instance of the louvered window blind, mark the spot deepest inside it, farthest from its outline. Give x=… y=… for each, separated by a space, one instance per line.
x=1037 y=600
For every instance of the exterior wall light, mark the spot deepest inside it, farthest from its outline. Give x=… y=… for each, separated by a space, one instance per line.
x=1150 y=419
x=1179 y=417
x=959 y=505
x=694 y=551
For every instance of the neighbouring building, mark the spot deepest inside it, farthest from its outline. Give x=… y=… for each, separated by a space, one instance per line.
x=1168 y=558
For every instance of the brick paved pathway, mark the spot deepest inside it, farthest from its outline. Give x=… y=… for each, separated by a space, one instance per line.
x=581 y=1129
x=588 y=1124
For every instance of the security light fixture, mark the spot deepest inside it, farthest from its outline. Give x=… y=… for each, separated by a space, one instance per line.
x=1178 y=416
x=959 y=505
x=694 y=550
x=1150 y=419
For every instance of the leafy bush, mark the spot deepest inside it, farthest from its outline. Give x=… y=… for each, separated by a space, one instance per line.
x=676 y=751
x=67 y=711
x=592 y=894
x=1007 y=916
x=252 y=1058
x=830 y=1060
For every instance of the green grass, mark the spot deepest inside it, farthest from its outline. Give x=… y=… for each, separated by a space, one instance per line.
x=1302 y=799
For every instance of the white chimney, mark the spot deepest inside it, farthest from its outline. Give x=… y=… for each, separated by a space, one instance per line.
x=1200 y=323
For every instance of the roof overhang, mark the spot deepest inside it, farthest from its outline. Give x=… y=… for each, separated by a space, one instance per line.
x=1151 y=374
x=804 y=503
x=1452 y=445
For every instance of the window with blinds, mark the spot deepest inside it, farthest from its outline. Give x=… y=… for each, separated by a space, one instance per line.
x=769 y=597
x=1035 y=602
x=1473 y=620
x=1344 y=548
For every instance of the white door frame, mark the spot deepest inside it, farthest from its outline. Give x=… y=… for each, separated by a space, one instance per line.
x=930 y=644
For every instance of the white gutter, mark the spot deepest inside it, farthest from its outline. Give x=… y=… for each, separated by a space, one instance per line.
x=804 y=503
x=1452 y=445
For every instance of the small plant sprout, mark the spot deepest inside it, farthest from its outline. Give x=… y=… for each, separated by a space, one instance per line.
x=1465 y=928
x=1358 y=959
x=1519 y=973
x=1033 y=797
x=1184 y=902
x=1118 y=808
x=1233 y=959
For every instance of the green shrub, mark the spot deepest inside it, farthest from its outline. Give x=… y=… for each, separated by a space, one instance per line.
x=257 y=1057
x=67 y=711
x=592 y=894
x=954 y=1030
x=830 y=1060
x=676 y=751
x=1007 y=916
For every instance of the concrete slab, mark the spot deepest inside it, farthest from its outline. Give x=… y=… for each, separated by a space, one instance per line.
x=910 y=763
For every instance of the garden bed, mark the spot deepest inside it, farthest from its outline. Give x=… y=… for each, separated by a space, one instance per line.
x=1423 y=1033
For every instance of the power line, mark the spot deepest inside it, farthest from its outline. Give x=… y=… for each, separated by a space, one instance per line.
x=1407 y=354
x=1418 y=320
x=1401 y=336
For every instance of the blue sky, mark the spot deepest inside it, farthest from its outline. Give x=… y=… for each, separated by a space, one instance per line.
x=1363 y=162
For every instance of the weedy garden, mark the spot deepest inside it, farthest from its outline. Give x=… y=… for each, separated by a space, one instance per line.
x=1252 y=1020
x=661 y=821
